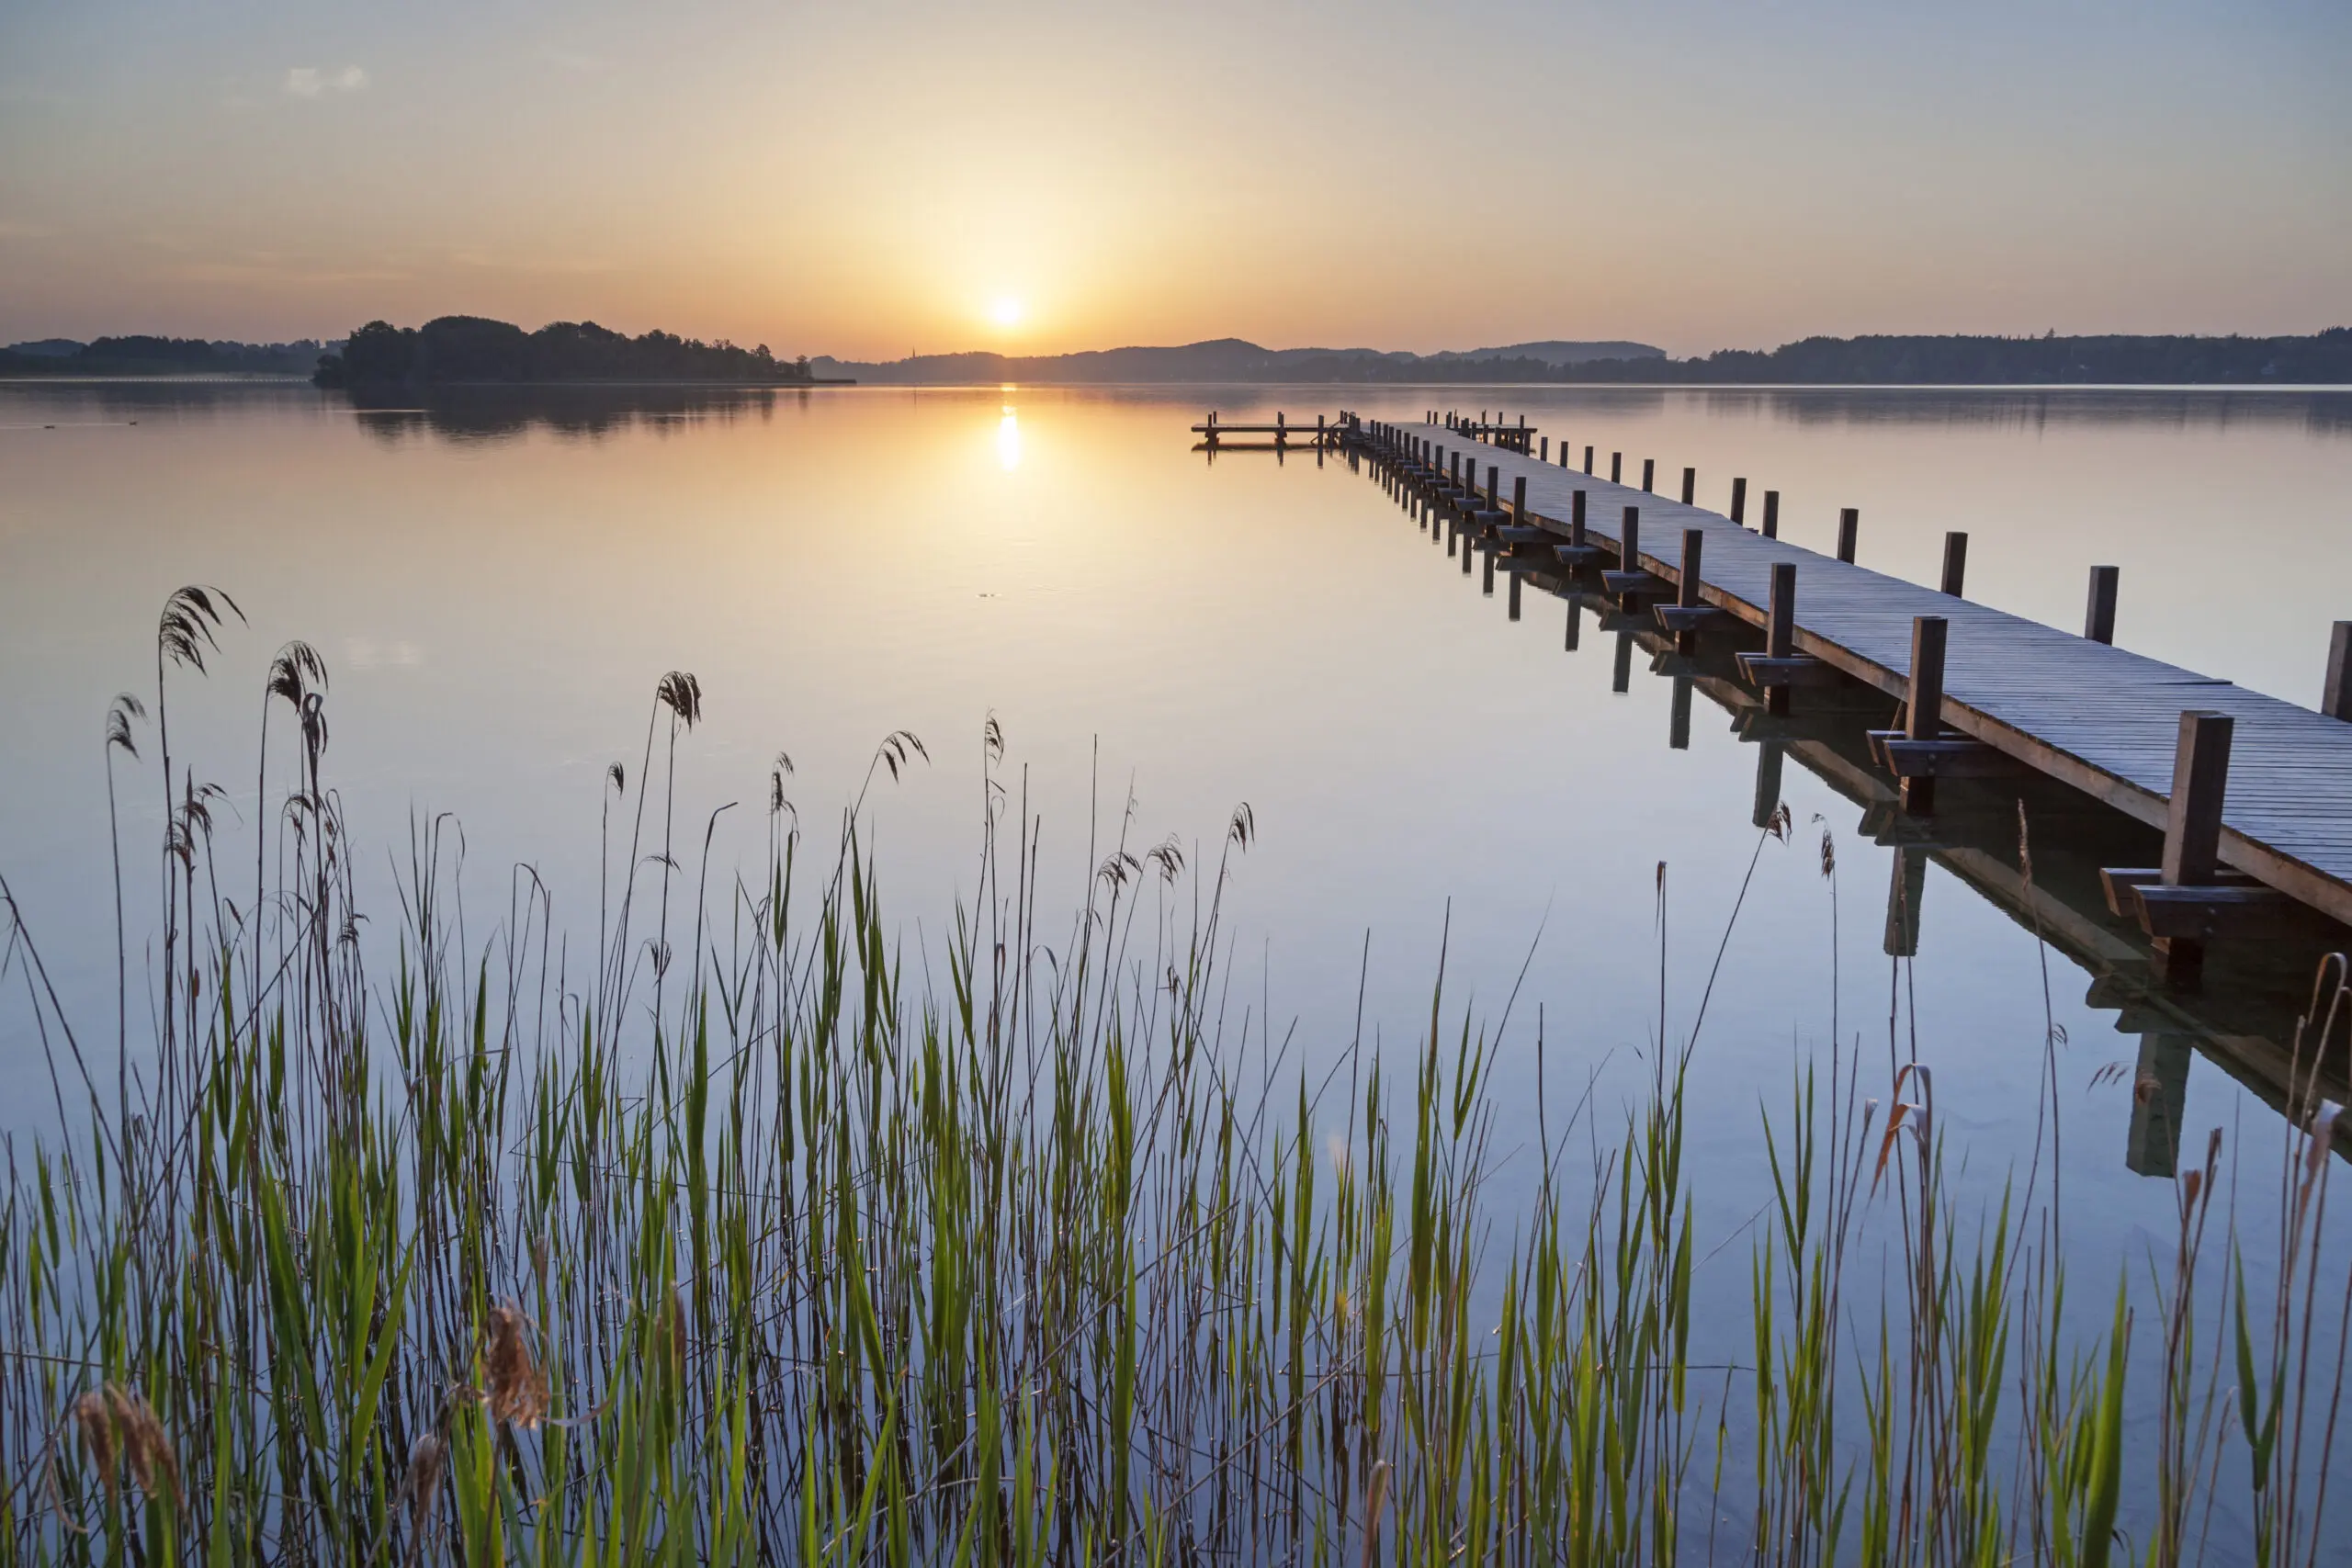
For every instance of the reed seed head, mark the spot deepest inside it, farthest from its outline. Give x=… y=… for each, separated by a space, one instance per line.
x=187 y=629
x=518 y=1389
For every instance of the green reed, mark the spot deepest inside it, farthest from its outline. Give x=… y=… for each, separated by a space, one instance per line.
x=794 y=1255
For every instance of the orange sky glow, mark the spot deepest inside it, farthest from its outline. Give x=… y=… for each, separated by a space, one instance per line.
x=867 y=181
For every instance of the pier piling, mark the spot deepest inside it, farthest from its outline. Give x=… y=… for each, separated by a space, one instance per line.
x=2335 y=691
x=2099 y=616
x=1923 y=716
x=2201 y=777
x=1955 y=563
x=1686 y=590
x=1781 y=630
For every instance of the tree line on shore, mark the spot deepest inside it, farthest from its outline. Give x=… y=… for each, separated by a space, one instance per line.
x=2322 y=358
x=140 y=354
x=471 y=349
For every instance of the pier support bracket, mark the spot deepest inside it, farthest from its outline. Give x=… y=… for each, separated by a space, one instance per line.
x=1797 y=670
x=1955 y=757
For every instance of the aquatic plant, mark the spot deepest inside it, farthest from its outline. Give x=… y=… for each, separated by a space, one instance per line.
x=1037 y=1260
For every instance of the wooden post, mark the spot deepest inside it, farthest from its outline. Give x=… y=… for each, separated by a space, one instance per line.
x=1616 y=468
x=1689 y=485
x=1588 y=460
x=1519 y=499
x=1955 y=561
x=1576 y=523
x=2159 y=1102
x=1769 y=754
x=1780 y=629
x=1494 y=483
x=1486 y=566
x=1621 y=673
x=1629 y=540
x=2335 y=691
x=1908 y=880
x=1649 y=474
x=1576 y=622
x=1772 y=513
x=1924 y=710
x=1678 y=720
x=1850 y=525
x=2200 y=779
x=1468 y=549
x=1514 y=595
x=2098 y=619
x=1739 y=502
x=1686 y=589
x=1544 y=449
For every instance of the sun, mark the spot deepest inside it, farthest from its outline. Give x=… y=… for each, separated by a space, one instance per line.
x=1006 y=311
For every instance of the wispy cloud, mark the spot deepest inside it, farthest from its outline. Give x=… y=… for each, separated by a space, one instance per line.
x=315 y=82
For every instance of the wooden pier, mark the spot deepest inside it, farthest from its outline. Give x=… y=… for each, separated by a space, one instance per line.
x=1496 y=432
x=2253 y=795
x=1218 y=436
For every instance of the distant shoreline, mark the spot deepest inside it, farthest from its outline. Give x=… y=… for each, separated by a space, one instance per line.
x=267 y=378
x=264 y=380
x=698 y=384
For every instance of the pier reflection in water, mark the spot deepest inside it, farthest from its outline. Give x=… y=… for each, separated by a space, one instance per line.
x=2028 y=845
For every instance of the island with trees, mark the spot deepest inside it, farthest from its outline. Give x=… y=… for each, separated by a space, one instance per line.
x=456 y=351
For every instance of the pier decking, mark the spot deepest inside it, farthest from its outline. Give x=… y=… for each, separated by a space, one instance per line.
x=2103 y=719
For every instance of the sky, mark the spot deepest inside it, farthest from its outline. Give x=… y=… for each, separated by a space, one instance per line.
x=888 y=176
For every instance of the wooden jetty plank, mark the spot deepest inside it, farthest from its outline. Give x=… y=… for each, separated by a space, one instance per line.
x=2101 y=719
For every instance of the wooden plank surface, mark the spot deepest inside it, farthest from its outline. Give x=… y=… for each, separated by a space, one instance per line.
x=2099 y=717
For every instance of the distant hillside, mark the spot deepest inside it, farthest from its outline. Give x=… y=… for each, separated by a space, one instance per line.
x=474 y=351
x=1555 y=352
x=1233 y=359
x=159 y=356
x=2324 y=358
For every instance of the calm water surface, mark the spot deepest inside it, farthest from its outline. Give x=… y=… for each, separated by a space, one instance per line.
x=496 y=589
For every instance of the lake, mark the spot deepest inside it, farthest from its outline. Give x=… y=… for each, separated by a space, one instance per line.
x=495 y=587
